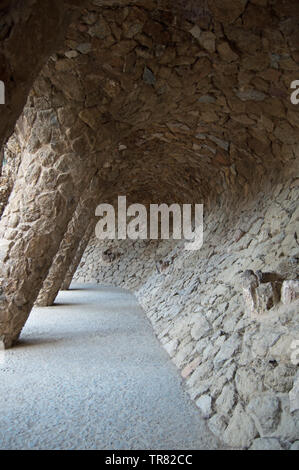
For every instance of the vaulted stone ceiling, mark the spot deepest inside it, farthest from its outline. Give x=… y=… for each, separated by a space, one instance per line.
x=197 y=91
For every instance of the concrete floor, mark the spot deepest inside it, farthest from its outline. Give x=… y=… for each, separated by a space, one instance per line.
x=89 y=373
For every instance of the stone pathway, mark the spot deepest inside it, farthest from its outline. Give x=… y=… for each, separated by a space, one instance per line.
x=89 y=373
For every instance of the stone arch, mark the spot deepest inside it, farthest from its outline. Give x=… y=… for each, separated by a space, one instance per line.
x=189 y=87
x=186 y=102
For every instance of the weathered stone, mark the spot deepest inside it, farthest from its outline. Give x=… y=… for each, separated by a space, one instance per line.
x=226 y=52
x=259 y=295
x=196 y=32
x=171 y=347
x=204 y=403
x=288 y=427
x=71 y=54
x=294 y=395
x=69 y=245
x=226 y=400
x=289 y=291
x=84 y=48
x=216 y=126
x=217 y=425
x=51 y=20
x=266 y=443
x=100 y=30
x=189 y=368
x=78 y=256
x=207 y=41
x=201 y=328
x=241 y=429
x=226 y=11
x=148 y=76
x=265 y=411
x=251 y=95
x=281 y=377
x=227 y=351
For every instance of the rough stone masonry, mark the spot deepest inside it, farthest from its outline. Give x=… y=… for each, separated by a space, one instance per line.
x=185 y=102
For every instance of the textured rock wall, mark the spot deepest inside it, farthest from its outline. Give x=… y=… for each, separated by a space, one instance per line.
x=185 y=100
x=237 y=367
x=191 y=97
x=12 y=158
x=69 y=244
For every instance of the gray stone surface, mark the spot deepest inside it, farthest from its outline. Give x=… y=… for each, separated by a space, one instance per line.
x=197 y=311
x=294 y=395
x=241 y=429
x=147 y=93
x=266 y=443
x=204 y=403
x=90 y=374
x=265 y=412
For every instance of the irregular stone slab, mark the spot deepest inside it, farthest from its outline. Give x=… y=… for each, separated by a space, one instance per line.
x=266 y=443
x=265 y=411
x=204 y=403
x=148 y=76
x=289 y=291
x=241 y=429
x=260 y=295
x=294 y=395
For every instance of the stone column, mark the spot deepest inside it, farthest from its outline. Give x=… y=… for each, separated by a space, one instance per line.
x=12 y=152
x=76 y=261
x=57 y=165
x=69 y=245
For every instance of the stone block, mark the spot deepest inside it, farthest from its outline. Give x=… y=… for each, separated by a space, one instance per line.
x=5 y=246
x=218 y=425
x=265 y=412
x=227 y=351
x=294 y=396
x=204 y=403
x=201 y=328
x=226 y=400
x=171 y=347
x=266 y=443
x=289 y=291
x=259 y=295
x=241 y=429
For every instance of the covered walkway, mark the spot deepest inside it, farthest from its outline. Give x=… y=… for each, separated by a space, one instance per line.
x=88 y=373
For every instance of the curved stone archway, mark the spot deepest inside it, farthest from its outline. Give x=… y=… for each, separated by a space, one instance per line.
x=195 y=92
x=185 y=102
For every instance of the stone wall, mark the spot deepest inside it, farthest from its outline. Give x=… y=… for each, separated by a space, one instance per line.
x=11 y=163
x=237 y=365
x=185 y=101
x=23 y=53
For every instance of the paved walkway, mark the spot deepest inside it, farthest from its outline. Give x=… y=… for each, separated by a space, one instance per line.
x=90 y=374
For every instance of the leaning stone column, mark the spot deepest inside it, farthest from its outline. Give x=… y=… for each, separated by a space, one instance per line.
x=69 y=245
x=76 y=261
x=55 y=169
